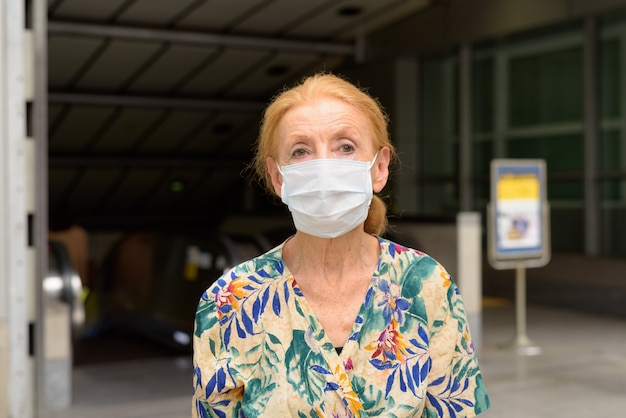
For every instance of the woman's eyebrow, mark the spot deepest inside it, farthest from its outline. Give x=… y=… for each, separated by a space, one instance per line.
x=343 y=129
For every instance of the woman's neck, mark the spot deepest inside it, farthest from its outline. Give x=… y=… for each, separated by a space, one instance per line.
x=334 y=276
x=338 y=259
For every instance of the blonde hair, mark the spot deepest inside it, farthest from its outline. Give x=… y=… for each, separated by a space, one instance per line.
x=309 y=89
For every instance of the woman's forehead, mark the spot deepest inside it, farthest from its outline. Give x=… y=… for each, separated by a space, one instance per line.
x=324 y=110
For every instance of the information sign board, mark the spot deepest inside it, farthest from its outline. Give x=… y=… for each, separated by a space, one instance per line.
x=518 y=215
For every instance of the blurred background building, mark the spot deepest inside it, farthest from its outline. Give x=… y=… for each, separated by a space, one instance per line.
x=133 y=121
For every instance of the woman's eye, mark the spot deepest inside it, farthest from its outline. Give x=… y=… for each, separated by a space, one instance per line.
x=300 y=152
x=346 y=148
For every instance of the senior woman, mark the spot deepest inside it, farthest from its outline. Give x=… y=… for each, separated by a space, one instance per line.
x=336 y=321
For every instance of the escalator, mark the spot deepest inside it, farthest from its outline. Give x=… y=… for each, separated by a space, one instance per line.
x=63 y=321
x=148 y=288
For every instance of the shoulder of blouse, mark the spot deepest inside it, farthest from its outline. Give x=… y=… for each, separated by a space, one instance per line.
x=414 y=267
x=394 y=250
x=267 y=265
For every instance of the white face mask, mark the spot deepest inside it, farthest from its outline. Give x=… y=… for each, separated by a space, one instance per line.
x=327 y=197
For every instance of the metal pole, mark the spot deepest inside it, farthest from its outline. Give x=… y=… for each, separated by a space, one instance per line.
x=155 y=102
x=40 y=133
x=523 y=344
x=520 y=303
x=60 y=161
x=200 y=38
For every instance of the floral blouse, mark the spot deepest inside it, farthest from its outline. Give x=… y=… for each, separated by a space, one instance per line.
x=259 y=350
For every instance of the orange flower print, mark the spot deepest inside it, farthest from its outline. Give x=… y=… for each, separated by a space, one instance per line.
x=350 y=399
x=389 y=346
x=445 y=277
x=228 y=296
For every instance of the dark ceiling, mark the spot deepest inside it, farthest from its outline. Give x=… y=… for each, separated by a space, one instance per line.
x=155 y=104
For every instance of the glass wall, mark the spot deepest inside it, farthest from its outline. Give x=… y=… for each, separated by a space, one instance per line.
x=528 y=102
x=438 y=133
x=613 y=137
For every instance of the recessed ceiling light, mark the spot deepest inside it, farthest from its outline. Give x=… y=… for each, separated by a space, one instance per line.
x=222 y=128
x=350 y=11
x=177 y=185
x=277 y=70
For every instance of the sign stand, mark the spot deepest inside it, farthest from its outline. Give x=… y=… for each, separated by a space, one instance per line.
x=519 y=231
x=522 y=344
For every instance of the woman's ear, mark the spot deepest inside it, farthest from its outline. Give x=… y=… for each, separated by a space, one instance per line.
x=380 y=170
x=277 y=178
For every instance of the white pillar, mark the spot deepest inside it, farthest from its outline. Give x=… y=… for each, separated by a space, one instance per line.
x=469 y=270
x=16 y=366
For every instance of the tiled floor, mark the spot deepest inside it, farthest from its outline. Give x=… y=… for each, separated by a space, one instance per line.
x=580 y=373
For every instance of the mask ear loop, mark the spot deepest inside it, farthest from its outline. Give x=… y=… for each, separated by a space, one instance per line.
x=279 y=170
x=373 y=160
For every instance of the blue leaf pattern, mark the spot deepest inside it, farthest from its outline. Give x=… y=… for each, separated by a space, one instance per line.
x=276 y=304
x=247 y=322
x=320 y=369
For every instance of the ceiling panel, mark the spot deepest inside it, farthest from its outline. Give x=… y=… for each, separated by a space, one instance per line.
x=164 y=197
x=222 y=131
x=216 y=79
x=66 y=56
x=59 y=181
x=55 y=112
x=246 y=137
x=326 y=63
x=200 y=141
x=126 y=130
x=78 y=128
x=171 y=69
x=277 y=17
x=225 y=184
x=115 y=65
x=261 y=81
x=335 y=19
x=153 y=13
x=175 y=130
x=86 y=11
x=219 y=15
x=323 y=24
x=92 y=189
x=381 y=15
x=125 y=197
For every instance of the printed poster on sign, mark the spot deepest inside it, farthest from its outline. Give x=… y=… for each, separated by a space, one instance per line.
x=518 y=195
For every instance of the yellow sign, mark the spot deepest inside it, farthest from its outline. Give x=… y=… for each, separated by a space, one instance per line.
x=518 y=186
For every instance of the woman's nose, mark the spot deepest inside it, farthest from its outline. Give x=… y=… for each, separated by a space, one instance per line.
x=323 y=153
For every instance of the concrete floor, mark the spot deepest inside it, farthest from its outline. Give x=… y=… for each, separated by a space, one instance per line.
x=580 y=373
